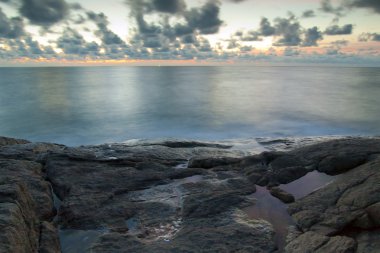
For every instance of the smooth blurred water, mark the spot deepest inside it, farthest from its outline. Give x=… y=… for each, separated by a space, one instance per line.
x=90 y=105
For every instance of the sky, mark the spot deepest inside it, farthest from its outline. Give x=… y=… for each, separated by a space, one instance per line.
x=144 y=32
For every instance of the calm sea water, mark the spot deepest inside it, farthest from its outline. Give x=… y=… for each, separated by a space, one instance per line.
x=90 y=105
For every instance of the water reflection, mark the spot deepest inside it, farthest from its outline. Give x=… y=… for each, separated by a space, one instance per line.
x=308 y=183
x=99 y=104
x=272 y=210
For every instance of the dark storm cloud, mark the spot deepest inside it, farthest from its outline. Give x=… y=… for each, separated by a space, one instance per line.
x=107 y=36
x=9 y=2
x=189 y=39
x=337 y=30
x=169 y=6
x=71 y=42
x=327 y=6
x=266 y=29
x=205 y=19
x=10 y=27
x=167 y=39
x=375 y=37
x=308 y=14
x=312 y=36
x=290 y=31
x=44 y=12
x=248 y=36
x=374 y=5
x=346 y=5
x=163 y=6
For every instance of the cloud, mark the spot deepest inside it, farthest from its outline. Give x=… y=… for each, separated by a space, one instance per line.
x=308 y=14
x=173 y=36
x=364 y=37
x=236 y=1
x=337 y=30
x=248 y=36
x=44 y=12
x=73 y=43
x=266 y=29
x=374 y=5
x=205 y=19
x=347 y=5
x=162 y=6
x=291 y=52
x=289 y=29
x=312 y=36
x=340 y=43
x=11 y=27
x=26 y=47
x=326 y=6
x=106 y=35
x=169 y=6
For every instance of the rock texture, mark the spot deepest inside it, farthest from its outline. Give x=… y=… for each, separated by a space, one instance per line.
x=281 y=195
x=25 y=201
x=184 y=196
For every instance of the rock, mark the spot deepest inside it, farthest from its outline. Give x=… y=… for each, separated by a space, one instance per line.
x=368 y=241
x=281 y=195
x=200 y=235
x=210 y=162
x=188 y=144
x=331 y=157
x=29 y=151
x=18 y=222
x=316 y=243
x=348 y=206
x=4 y=141
x=49 y=240
x=338 y=205
x=25 y=201
x=30 y=176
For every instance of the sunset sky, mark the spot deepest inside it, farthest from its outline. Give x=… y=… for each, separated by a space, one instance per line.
x=50 y=32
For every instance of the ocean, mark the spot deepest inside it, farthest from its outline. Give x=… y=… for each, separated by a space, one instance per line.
x=93 y=105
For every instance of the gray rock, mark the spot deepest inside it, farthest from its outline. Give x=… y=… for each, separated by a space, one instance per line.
x=368 y=241
x=209 y=162
x=281 y=195
x=316 y=243
x=4 y=141
x=225 y=232
x=49 y=240
x=25 y=201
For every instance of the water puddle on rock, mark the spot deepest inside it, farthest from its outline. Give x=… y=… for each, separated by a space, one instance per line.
x=272 y=210
x=275 y=212
x=307 y=184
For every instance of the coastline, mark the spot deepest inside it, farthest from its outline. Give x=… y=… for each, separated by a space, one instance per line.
x=188 y=196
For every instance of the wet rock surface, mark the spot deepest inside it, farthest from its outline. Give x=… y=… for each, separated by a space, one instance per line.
x=281 y=195
x=185 y=196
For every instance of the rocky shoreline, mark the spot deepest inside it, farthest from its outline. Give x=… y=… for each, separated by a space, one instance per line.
x=186 y=196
